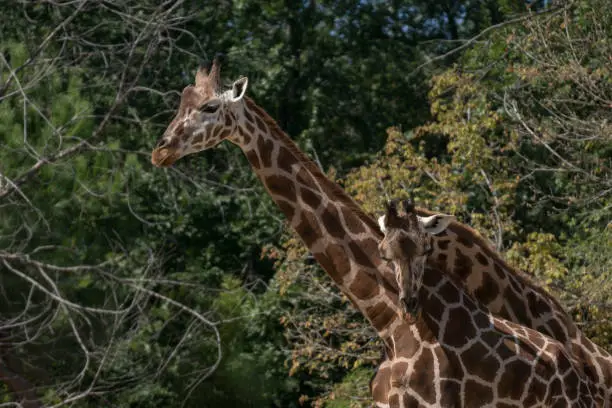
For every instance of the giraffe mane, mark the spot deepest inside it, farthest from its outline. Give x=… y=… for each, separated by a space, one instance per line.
x=473 y=235
x=337 y=192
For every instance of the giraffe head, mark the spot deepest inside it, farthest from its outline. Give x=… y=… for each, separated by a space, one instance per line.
x=206 y=116
x=407 y=243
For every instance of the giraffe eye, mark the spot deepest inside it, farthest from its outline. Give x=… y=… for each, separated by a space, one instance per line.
x=210 y=107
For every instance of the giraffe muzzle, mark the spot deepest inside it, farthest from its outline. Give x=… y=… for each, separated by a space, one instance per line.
x=164 y=157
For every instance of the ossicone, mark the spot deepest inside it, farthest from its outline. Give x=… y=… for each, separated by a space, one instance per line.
x=392 y=208
x=209 y=74
x=408 y=205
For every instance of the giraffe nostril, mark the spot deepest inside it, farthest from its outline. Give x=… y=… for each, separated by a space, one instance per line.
x=162 y=143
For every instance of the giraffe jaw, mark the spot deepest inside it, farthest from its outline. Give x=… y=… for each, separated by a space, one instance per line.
x=164 y=157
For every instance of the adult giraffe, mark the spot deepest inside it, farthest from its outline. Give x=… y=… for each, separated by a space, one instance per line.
x=510 y=294
x=343 y=239
x=455 y=353
x=340 y=236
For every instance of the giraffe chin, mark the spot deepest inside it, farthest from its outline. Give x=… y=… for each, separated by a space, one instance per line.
x=164 y=158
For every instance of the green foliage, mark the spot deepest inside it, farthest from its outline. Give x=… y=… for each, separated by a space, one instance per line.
x=199 y=249
x=588 y=285
x=253 y=365
x=350 y=393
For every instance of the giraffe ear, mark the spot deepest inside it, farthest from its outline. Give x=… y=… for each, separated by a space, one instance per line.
x=437 y=223
x=239 y=88
x=381 y=224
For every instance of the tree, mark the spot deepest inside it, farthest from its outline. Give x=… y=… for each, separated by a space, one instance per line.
x=516 y=147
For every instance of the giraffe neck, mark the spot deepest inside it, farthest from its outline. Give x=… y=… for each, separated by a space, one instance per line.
x=340 y=236
x=457 y=352
x=511 y=295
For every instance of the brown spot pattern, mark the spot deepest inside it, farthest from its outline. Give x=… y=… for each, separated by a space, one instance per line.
x=281 y=186
x=499 y=271
x=589 y=346
x=449 y=363
x=285 y=159
x=443 y=244
x=248 y=115
x=226 y=132
x=557 y=331
x=514 y=283
x=465 y=241
x=179 y=131
x=331 y=220
x=572 y=378
x=287 y=208
x=380 y=315
x=481 y=258
x=410 y=401
x=435 y=308
x=310 y=198
x=537 y=390
x=535 y=338
x=450 y=389
x=481 y=320
x=364 y=286
x=308 y=228
x=398 y=370
x=405 y=342
x=512 y=380
x=260 y=124
x=304 y=177
x=487 y=366
x=433 y=325
x=554 y=388
x=448 y=292
x=250 y=128
x=359 y=255
x=420 y=378
x=340 y=264
x=459 y=328
x=369 y=246
x=477 y=395
x=488 y=290
x=352 y=222
x=463 y=265
x=265 y=148
x=518 y=307
x=253 y=158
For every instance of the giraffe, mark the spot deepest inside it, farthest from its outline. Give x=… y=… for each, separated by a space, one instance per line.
x=457 y=354
x=343 y=239
x=414 y=264
x=510 y=294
